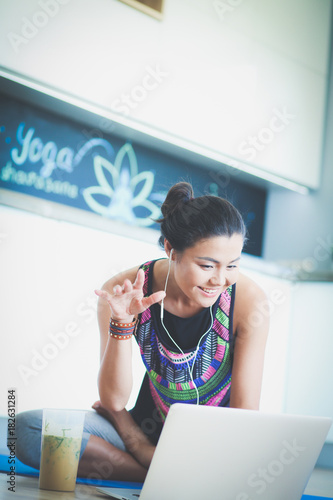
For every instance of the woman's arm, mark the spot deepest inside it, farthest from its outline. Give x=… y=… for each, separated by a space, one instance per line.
x=252 y=324
x=121 y=298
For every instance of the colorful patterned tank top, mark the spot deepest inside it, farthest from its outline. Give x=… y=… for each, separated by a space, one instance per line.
x=168 y=369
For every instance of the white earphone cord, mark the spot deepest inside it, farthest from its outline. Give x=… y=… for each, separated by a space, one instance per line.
x=202 y=336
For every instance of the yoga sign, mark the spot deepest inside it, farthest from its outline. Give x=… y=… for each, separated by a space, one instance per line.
x=43 y=158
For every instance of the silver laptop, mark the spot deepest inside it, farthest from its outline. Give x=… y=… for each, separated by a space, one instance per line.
x=211 y=452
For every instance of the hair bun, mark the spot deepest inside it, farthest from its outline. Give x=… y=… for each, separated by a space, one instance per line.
x=179 y=194
x=184 y=224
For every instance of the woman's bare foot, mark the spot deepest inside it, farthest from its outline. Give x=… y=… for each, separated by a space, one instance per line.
x=136 y=442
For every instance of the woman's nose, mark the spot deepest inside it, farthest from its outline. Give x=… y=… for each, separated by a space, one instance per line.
x=219 y=279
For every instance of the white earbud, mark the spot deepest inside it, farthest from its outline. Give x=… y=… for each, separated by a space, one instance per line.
x=166 y=283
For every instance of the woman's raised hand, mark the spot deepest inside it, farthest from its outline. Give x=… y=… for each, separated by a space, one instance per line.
x=128 y=300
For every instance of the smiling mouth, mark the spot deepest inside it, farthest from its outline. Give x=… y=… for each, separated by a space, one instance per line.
x=209 y=291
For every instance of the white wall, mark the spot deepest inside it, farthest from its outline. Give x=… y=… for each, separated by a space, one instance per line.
x=310 y=368
x=247 y=79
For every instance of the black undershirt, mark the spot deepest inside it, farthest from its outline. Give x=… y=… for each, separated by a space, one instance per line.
x=186 y=332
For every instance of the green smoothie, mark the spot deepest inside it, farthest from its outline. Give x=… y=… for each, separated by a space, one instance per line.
x=59 y=463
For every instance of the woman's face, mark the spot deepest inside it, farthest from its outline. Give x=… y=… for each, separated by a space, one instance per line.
x=208 y=268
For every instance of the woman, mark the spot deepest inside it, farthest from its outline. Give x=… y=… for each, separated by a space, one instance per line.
x=196 y=332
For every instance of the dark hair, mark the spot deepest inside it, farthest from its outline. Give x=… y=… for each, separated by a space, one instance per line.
x=186 y=219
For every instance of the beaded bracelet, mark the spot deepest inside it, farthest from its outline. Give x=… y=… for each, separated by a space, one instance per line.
x=120 y=325
x=121 y=331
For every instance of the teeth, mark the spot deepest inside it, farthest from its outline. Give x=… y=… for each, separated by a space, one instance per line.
x=208 y=290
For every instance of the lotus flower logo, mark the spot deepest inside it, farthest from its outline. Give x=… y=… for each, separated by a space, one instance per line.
x=122 y=193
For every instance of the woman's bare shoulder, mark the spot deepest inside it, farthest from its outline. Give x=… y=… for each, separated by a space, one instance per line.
x=247 y=287
x=249 y=296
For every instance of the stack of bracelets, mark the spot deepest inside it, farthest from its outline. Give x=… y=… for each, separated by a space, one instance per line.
x=121 y=331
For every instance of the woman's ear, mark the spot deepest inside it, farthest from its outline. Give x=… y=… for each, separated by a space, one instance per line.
x=167 y=247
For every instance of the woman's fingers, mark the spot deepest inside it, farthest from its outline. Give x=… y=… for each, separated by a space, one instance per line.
x=139 y=280
x=130 y=295
x=117 y=290
x=153 y=298
x=102 y=293
x=139 y=305
x=127 y=286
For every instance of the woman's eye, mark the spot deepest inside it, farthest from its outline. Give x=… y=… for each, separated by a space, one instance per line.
x=204 y=266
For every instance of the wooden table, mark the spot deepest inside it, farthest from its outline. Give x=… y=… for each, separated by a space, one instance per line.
x=27 y=487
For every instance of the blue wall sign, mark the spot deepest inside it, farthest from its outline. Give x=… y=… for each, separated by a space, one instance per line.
x=49 y=157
